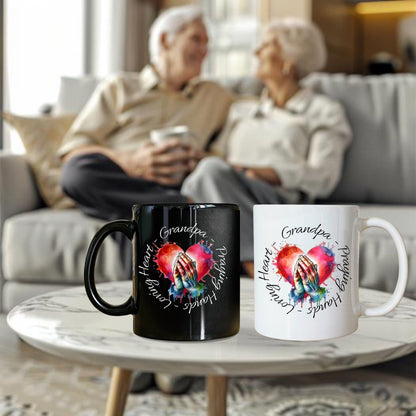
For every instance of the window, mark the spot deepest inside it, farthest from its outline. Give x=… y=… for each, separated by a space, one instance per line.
x=43 y=41
x=48 y=39
x=235 y=24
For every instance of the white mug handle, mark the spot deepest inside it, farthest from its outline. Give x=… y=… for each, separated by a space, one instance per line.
x=403 y=267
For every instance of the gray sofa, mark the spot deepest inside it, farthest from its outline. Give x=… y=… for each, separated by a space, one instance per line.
x=43 y=249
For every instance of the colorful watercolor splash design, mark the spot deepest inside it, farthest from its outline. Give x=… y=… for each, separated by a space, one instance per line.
x=319 y=263
x=185 y=269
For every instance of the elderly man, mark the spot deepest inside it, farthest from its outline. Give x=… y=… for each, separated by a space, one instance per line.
x=110 y=163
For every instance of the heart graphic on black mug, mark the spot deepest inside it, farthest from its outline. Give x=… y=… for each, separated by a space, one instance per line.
x=185 y=269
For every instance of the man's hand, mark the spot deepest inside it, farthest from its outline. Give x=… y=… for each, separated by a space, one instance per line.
x=268 y=175
x=166 y=164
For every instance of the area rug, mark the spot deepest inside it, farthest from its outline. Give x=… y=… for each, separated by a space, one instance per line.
x=37 y=388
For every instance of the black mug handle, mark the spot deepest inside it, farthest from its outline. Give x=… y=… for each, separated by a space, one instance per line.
x=128 y=228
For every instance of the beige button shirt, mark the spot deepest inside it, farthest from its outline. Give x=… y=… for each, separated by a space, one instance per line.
x=126 y=107
x=304 y=142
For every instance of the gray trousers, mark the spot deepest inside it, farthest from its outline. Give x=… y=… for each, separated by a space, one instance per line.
x=215 y=181
x=102 y=189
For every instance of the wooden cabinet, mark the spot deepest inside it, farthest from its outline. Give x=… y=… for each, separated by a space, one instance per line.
x=355 y=33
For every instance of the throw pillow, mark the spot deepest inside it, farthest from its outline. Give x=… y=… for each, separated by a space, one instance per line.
x=41 y=137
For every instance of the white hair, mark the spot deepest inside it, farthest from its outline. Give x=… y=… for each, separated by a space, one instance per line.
x=301 y=42
x=171 y=21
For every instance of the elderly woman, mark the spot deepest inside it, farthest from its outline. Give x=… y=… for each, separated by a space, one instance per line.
x=288 y=146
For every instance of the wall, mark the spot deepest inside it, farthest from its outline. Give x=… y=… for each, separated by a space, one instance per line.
x=298 y=8
x=139 y=17
x=171 y=3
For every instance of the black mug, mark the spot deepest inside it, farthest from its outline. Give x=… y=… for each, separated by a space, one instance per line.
x=186 y=271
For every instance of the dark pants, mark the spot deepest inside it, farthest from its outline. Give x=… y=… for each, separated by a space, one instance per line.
x=103 y=190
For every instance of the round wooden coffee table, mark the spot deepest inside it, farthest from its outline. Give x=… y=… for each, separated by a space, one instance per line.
x=64 y=323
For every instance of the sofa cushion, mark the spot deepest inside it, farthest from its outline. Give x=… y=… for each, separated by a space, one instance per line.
x=41 y=137
x=74 y=93
x=246 y=86
x=380 y=163
x=378 y=256
x=49 y=246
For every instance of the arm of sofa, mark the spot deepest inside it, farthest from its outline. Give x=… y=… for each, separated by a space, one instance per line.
x=18 y=193
x=18 y=190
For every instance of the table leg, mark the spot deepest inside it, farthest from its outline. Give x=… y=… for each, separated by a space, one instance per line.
x=119 y=389
x=216 y=387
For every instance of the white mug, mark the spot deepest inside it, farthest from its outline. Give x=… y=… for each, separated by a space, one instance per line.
x=306 y=270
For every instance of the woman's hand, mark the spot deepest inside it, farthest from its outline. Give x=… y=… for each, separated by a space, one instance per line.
x=268 y=175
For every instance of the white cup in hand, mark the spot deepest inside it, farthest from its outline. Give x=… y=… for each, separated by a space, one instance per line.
x=182 y=133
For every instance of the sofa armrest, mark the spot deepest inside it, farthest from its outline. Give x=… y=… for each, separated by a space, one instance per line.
x=18 y=189
x=18 y=193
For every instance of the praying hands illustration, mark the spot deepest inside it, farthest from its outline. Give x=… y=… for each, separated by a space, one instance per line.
x=185 y=277
x=306 y=280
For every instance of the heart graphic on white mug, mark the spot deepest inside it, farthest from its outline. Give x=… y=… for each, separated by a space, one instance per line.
x=287 y=258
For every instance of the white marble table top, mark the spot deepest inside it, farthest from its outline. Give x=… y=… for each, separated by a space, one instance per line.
x=65 y=323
